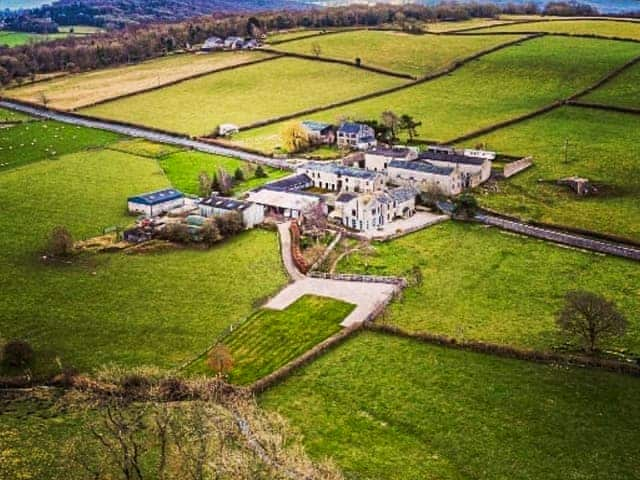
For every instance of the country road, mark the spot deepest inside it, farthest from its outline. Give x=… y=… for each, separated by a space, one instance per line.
x=565 y=238
x=148 y=134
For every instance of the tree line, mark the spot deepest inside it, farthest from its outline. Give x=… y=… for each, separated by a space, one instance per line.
x=134 y=44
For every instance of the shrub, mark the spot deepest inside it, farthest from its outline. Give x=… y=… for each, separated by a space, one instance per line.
x=209 y=234
x=60 y=242
x=219 y=360
x=173 y=389
x=238 y=175
x=260 y=173
x=17 y=354
x=176 y=232
x=230 y=224
x=465 y=205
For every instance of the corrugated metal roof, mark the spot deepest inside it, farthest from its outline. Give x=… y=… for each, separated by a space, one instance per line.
x=154 y=198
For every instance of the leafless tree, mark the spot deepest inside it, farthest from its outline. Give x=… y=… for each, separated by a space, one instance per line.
x=316 y=49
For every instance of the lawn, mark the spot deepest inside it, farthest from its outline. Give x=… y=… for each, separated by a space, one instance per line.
x=392 y=408
x=622 y=91
x=154 y=309
x=75 y=91
x=499 y=86
x=182 y=170
x=602 y=146
x=46 y=140
x=270 y=338
x=483 y=284
x=417 y=55
x=576 y=27
x=244 y=95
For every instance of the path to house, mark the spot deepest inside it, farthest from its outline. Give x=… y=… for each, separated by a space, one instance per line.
x=368 y=296
x=148 y=134
x=565 y=238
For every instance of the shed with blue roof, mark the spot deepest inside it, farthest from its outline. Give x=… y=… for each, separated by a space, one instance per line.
x=155 y=203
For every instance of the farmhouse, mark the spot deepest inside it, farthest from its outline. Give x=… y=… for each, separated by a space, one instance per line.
x=319 y=132
x=369 y=211
x=212 y=44
x=287 y=204
x=155 y=203
x=425 y=176
x=233 y=43
x=379 y=157
x=337 y=178
x=356 y=135
x=214 y=206
x=473 y=170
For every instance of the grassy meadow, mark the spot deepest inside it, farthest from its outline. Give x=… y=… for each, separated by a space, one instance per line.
x=484 y=284
x=10 y=116
x=494 y=88
x=270 y=338
x=605 y=28
x=444 y=26
x=147 y=309
x=78 y=90
x=182 y=169
x=417 y=55
x=391 y=408
x=14 y=39
x=622 y=91
x=244 y=95
x=288 y=35
x=602 y=146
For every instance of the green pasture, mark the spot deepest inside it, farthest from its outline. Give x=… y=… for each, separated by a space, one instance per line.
x=622 y=91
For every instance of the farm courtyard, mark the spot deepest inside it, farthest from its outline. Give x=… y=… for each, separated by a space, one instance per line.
x=463 y=371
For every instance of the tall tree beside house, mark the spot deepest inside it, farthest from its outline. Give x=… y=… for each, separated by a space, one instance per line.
x=409 y=124
x=392 y=122
x=591 y=318
x=205 y=184
x=224 y=184
x=295 y=137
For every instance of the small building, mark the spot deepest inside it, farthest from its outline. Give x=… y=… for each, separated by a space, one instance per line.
x=226 y=129
x=287 y=204
x=155 y=203
x=369 y=211
x=425 y=176
x=295 y=182
x=379 y=157
x=473 y=170
x=251 y=44
x=338 y=178
x=356 y=135
x=212 y=44
x=233 y=43
x=320 y=132
x=472 y=152
x=214 y=206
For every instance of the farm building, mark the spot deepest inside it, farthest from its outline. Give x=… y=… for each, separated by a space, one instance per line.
x=226 y=129
x=473 y=170
x=214 y=206
x=212 y=44
x=425 y=176
x=337 y=178
x=285 y=204
x=155 y=203
x=291 y=183
x=320 y=132
x=368 y=211
x=467 y=152
x=234 y=43
x=379 y=157
x=356 y=135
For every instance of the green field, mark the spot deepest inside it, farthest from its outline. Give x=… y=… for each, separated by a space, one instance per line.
x=445 y=26
x=483 y=284
x=499 y=86
x=182 y=170
x=9 y=116
x=82 y=89
x=388 y=408
x=622 y=91
x=271 y=338
x=14 y=39
x=276 y=37
x=244 y=95
x=153 y=309
x=33 y=141
x=602 y=147
x=417 y=55
x=576 y=27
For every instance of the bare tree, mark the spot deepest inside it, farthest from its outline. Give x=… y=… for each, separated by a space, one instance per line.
x=316 y=49
x=591 y=318
x=220 y=360
x=391 y=121
x=205 y=184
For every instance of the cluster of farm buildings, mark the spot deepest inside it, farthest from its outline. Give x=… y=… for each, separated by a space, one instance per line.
x=365 y=191
x=215 y=44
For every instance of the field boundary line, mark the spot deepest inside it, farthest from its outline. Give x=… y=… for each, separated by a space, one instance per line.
x=433 y=76
x=604 y=106
x=508 y=351
x=546 y=20
x=175 y=82
x=317 y=34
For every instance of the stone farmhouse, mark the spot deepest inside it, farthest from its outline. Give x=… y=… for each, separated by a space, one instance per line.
x=155 y=203
x=337 y=178
x=252 y=214
x=425 y=176
x=369 y=211
x=473 y=170
x=377 y=159
x=213 y=44
x=320 y=133
x=356 y=136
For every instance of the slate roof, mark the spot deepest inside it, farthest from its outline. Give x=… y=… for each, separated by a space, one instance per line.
x=350 y=127
x=340 y=170
x=451 y=158
x=402 y=194
x=421 y=166
x=156 y=197
x=316 y=126
x=225 y=203
x=346 y=197
x=292 y=182
x=395 y=152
